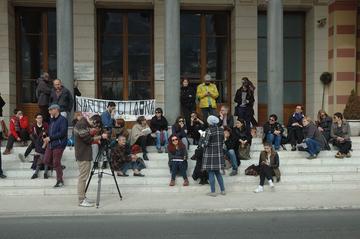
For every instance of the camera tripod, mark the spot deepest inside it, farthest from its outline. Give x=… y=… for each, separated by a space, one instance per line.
x=104 y=153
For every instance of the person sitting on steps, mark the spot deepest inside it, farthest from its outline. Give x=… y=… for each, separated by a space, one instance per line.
x=19 y=126
x=273 y=132
x=177 y=160
x=295 y=135
x=340 y=136
x=159 y=126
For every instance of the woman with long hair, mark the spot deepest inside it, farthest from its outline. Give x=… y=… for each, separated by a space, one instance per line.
x=177 y=159
x=269 y=166
x=340 y=136
x=324 y=123
x=244 y=137
x=180 y=130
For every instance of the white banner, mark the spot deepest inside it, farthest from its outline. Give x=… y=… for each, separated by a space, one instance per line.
x=129 y=110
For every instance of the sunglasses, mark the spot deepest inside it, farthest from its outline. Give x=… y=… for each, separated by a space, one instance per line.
x=174 y=139
x=157 y=112
x=181 y=121
x=271 y=120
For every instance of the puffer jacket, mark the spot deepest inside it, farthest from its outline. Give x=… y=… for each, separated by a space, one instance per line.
x=58 y=132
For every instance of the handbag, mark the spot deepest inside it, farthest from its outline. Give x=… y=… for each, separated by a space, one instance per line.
x=252 y=170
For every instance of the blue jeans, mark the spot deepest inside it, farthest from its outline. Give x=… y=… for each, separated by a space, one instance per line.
x=232 y=156
x=178 y=166
x=313 y=146
x=212 y=174
x=158 y=138
x=274 y=139
x=131 y=165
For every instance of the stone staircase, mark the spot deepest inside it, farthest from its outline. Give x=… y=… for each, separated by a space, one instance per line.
x=326 y=173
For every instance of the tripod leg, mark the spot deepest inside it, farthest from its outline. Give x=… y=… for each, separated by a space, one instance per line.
x=113 y=174
x=100 y=175
x=91 y=174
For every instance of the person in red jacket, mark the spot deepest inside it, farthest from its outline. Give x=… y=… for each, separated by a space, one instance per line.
x=19 y=127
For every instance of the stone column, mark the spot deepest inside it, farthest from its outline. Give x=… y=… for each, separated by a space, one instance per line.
x=275 y=63
x=65 y=43
x=172 y=59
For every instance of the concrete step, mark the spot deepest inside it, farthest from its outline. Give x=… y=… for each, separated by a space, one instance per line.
x=164 y=180
x=178 y=188
x=296 y=169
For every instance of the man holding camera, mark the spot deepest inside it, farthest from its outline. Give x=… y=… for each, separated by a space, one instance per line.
x=83 y=152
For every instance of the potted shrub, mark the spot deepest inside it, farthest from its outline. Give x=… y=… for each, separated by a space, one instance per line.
x=352 y=113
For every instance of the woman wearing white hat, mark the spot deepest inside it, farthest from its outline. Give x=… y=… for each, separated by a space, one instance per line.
x=213 y=159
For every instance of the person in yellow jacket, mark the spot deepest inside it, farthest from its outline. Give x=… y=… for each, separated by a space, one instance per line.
x=207 y=94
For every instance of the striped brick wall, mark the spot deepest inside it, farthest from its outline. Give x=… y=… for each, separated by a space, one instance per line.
x=342 y=51
x=358 y=52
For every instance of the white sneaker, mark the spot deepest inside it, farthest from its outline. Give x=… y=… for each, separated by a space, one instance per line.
x=85 y=203
x=22 y=158
x=271 y=184
x=89 y=200
x=259 y=189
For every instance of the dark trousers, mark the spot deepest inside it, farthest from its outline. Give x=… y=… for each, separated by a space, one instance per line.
x=178 y=167
x=23 y=134
x=29 y=149
x=45 y=112
x=1 y=171
x=206 y=112
x=245 y=113
x=344 y=147
x=186 y=113
x=295 y=135
x=265 y=172
x=144 y=141
x=53 y=158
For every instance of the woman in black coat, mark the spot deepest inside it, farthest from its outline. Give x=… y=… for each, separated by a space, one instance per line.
x=187 y=99
x=245 y=102
x=324 y=123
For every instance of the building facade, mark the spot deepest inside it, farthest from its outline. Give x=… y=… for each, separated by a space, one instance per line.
x=119 y=49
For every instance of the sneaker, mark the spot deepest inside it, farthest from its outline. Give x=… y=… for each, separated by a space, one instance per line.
x=22 y=158
x=339 y=155
x=271 y=184
x=34 y=176
x=59 y=184
x=139 y=175
x=85 y=203
x=122 y=174
x=2 y=176
x=233 y=173
x=348 y=155
x=211 y=194
x=186 y=183
x=223 y=193
x=46 y=176
x=259 y=189
x=293 y=148
x=312 y=157
x=159 y=150
x=172 y=183
x=89 y=200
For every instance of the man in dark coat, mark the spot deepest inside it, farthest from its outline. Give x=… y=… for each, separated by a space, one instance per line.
x=56 y=143
x=187 y=100
x=43 y=92
x=295 y=134
x=313 y=139
x=61 y=96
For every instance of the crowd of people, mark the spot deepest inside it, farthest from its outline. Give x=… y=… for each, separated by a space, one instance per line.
x=221 y=138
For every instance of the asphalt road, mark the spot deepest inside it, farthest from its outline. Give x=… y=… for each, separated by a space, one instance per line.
x=264 y=225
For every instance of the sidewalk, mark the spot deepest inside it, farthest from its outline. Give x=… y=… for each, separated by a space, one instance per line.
x=178 y=203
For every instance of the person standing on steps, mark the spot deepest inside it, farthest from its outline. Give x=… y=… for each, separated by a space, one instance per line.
x=108 y=116
x=43 y=91
x=56 y=143
x=269 y=165
x=244 y=98
x=187 y=99
x=213 y=158
x=207 y=93
x=61 y=96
